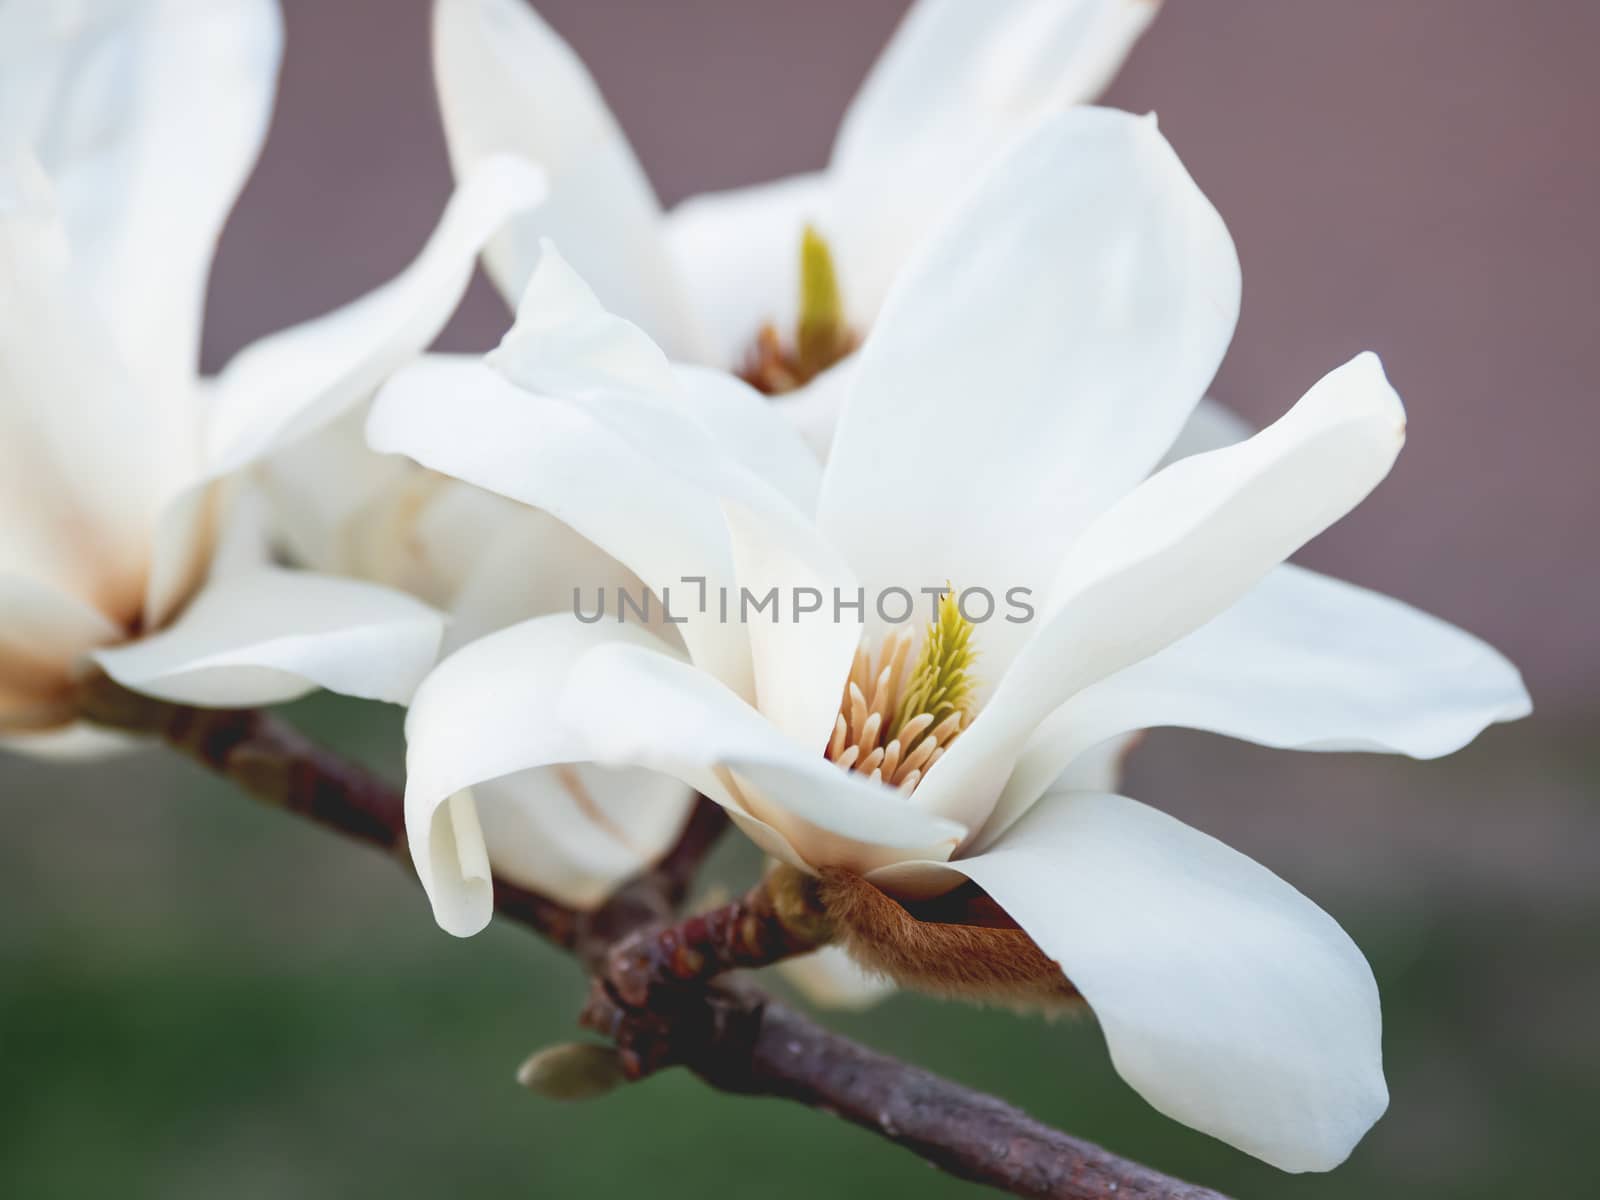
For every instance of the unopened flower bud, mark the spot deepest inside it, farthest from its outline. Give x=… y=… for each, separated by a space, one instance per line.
x=572 y=1071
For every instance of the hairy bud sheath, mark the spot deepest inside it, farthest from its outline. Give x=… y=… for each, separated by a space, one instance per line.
x=961 y=946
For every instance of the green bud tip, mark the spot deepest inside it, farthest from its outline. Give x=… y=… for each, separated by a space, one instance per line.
x=572 y=1071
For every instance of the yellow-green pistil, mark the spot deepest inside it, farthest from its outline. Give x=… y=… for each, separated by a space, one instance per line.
x=821 y=336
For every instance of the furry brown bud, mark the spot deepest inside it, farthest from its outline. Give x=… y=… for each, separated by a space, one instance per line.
x=961 y=945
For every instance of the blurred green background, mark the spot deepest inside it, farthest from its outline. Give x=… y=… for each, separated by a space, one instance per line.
x=202 y=997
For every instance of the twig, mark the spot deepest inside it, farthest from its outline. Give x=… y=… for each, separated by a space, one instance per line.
x=733 y=1037
x=778 y=918
x=966 y=1133
x=741 y=1041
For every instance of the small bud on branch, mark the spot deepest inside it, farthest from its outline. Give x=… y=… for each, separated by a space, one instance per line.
x=572 y=1071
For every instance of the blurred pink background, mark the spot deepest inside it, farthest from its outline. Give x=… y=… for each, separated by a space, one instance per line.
x=1416 y=178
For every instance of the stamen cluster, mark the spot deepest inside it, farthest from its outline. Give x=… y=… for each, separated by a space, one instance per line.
x=899 y=715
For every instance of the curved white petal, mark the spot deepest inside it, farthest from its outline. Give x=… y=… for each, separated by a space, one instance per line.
x=1301 y=662
x=801 y=654
x=44 y=632
x=1211 y=426
x=1100 y=767
x=532 y=565
x=636 y=707
x=813 y=409
x=958 y=80
x=321 y=484
x=340 y=507
x=575 y=832
x=85 y=463
x=268 y=635
x=73 y=743
x=44 y=635
x=289 y=383
x=565 y=342
x=148 y=115
x=1228 y=1000
x=639 y=476
x=738 y=252
x=1040 y=354
x=755 y=432
x=507 y=82
x=1173 y=554
x=490 y=711
x=181 y=549
x=830 y=978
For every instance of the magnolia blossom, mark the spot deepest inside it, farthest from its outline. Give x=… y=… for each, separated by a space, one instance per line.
x=126 y=132
x=956 y=82
x=1027 y=373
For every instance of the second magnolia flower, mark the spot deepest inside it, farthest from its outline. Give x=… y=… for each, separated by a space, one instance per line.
x=1028 y=372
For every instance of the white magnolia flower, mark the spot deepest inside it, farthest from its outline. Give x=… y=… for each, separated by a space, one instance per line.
x=956 y=82
x=126 y=132
x=1027 y=373
x=705 y=281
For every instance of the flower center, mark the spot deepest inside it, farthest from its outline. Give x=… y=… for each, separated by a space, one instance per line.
x=821 y=336
x=899 y=714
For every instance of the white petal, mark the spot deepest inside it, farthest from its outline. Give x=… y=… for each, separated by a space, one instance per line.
x=270 y=635
x=565 y=343
x=148 y=115
x=1171 y=555
x=738 y=252
x=638 y=477
x=813 y=410
x=85 y=463
x=1311 y=663
x=1301 y=662
x=1211 y=426
x=1100 y=767
x=74 y=743
x=756 y=432
x=321 y=484
x=488 y=712
x=532 y=565
x=957 y=80
x=1041 y=353
x=830 y=978
x=45 y=631
x=801 y=659
x=507 y=82
x=340 y=507
x=300 y=378
x=1228 y=1000
x=575 y=832
x=181 y=549
x=641 y=708
x=44 y=635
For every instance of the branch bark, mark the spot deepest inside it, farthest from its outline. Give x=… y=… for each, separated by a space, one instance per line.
x=735 y=1038
x=969 y=1134
x=780 y=917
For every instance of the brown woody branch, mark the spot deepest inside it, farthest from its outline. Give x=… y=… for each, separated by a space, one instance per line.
x=743 y=1042
x=733 y=1037
x=780 y=917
